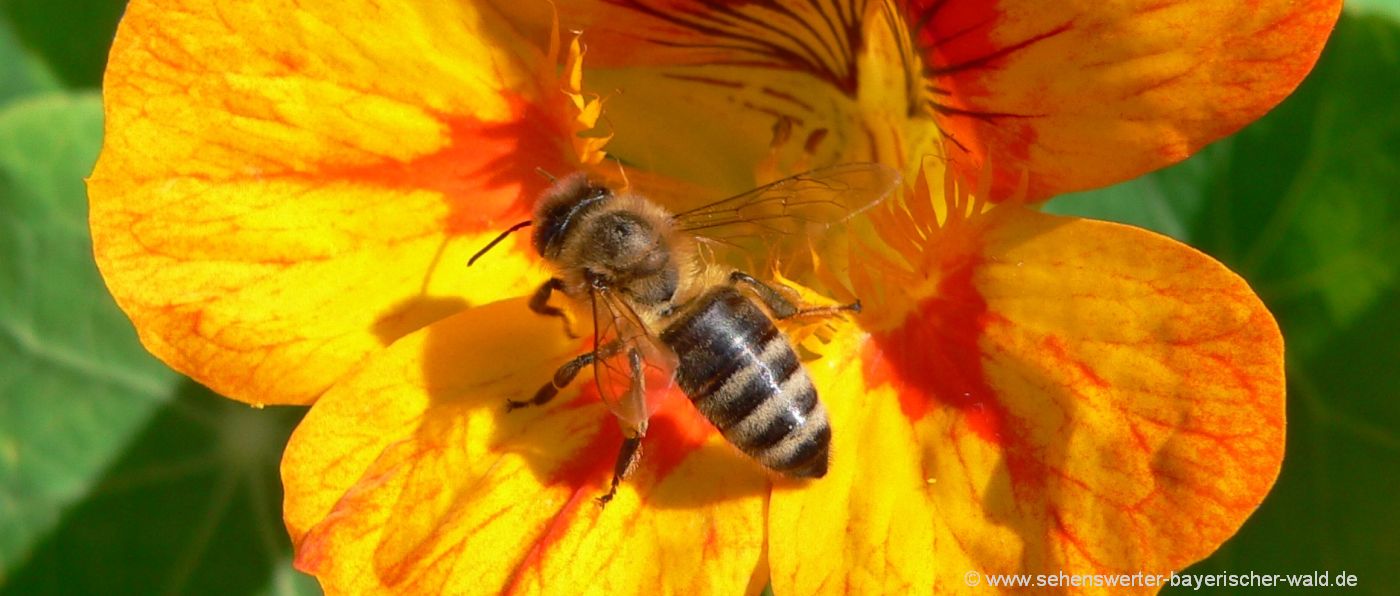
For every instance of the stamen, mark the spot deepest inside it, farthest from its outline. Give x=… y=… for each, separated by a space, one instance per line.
x=919 y=237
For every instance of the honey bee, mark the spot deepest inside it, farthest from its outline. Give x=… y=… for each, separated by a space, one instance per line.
x=656 y=302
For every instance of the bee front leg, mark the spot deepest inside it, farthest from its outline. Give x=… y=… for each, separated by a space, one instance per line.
x=562 y=377
x=630 y=453
x=782 y=307
x=539 y=303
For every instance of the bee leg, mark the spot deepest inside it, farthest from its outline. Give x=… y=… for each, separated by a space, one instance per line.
x=627 y=459
x=539 y=303
x=562 y=377
x=630 y=454
x=827 y=311
x=782 y=307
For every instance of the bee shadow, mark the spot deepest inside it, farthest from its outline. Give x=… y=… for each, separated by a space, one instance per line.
x=414 y=313
x=475 y=361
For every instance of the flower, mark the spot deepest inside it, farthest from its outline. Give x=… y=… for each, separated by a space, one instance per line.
x=288 y=193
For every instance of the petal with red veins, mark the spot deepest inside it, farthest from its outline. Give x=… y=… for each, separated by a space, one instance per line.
x=1066 y=395
x=286 y=187
x=1090 y=93
x=1053 y=99
x=410 y=477
x=837 y=74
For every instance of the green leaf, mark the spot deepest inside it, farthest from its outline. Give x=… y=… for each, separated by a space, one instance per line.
x=116 y=474
x=74 y=383
x=194 y=506
x=1304 y=205
x=1389 y=8
x=21 y=73
x=286 y=581
x=1170 y=201
x=71 y=36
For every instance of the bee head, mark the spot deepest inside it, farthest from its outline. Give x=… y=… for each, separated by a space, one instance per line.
x=563 y=205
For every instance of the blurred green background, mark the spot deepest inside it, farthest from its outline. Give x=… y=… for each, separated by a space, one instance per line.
x=118 y=476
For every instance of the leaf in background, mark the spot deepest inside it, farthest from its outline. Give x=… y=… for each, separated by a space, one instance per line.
x=74 y=383
x=21 y=73
x=109 y=483
x=1168 y=201
x=71 y=36
x=1390 y=8
x=194 y=506
x=1304 y=205
x=286 y=581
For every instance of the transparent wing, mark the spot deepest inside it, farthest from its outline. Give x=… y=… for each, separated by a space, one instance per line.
x=625 y=357
x=786 y=220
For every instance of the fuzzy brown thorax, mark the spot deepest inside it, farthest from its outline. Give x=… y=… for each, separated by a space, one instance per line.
x=600 y=240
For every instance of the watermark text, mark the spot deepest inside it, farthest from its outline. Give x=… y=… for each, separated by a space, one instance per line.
x=1196 y=581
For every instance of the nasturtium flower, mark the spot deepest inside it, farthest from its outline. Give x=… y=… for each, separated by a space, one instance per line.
x=289 y=191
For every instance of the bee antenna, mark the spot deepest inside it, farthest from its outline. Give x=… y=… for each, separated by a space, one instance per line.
x=547 y=176
x=498 y=240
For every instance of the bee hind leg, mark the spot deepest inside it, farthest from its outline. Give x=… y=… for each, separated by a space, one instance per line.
x=782 y=307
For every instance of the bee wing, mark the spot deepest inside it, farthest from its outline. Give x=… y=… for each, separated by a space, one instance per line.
x=787 y=219
x=625 y=355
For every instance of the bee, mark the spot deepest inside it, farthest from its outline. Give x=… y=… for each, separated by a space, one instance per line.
x=657 y=302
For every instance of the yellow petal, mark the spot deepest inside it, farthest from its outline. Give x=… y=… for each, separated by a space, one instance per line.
x=1091 y=93
x=1084 y=95
x=286 y=187
x=868 y=526
x=696 y=89
x=1068 y=395
x=410 y=477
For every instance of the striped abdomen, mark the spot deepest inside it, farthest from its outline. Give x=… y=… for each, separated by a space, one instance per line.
x=742 y=375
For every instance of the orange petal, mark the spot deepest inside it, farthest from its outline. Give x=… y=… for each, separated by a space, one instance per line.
x=1092 y=93
x=409 y=477
x=287 y=187
x=867 y=527
x=835 y=78
x=1084 y=95
x=1070 y=395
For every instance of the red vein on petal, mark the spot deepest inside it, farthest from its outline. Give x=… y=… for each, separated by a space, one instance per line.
x=1055 y=346
x=935 y=359
x=487 y=171
x=987 y=59
x=552 y=533
x=676 y=429
x=1066 y=531
x=582 y=473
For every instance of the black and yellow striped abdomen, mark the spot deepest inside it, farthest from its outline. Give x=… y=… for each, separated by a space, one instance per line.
x=741 y=374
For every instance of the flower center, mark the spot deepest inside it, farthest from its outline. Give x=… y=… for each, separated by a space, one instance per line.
x=698 y=98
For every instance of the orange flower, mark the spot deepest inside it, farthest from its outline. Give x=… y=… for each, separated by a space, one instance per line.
x=289 y=192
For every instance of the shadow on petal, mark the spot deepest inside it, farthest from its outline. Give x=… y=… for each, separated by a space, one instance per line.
x=415 y=313
x=1089 y=396
x=469 y=467
x=976 y=443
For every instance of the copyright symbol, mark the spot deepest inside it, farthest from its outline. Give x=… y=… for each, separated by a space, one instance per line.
x=972 y=578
